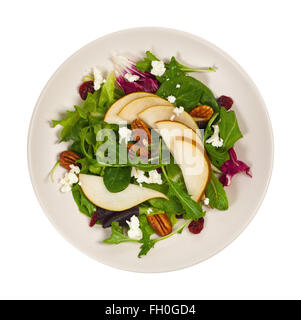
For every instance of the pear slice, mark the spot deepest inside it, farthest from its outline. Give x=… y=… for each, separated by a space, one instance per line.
x=189 y=153
x=111 y=115
x=131 y=110
x=154 y=114
x=95 y=190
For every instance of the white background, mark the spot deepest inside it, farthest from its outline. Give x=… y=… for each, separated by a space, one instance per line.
x=37 y=36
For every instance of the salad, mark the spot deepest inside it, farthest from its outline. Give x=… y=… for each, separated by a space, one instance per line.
x=151 y=150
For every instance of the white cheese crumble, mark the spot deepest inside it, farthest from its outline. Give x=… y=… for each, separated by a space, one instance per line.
x=178 y=86
x=206 y=201
x=139 y=175
x=158 y=68
x=215 y=140
x=171 y=99
x=70 y=178
x=149 y=210
x=98 y=78
x=124 y=134
x=172 y=118
x=145 y=142
x=178 y=111
x=131 y=77
x=134 y=231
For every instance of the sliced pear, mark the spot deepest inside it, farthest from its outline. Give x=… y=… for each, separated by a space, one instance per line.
x=154 y=114
x=95 y=190
x=112 y=114
x=189 y=153
x=131 y=110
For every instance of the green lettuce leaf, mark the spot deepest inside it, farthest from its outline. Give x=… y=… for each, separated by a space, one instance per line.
x=216 y=194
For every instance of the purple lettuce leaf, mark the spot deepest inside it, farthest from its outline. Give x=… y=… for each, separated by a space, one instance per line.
x=231 y=167
x=146 y=82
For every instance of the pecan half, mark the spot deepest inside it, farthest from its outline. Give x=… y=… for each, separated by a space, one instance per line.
x=160 y=223
x=140 y=130
x=67 y=158
x=137 y=149
x=202 y=112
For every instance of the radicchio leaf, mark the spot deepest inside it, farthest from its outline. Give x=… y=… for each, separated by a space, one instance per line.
x=231 y=167
x=146 y=82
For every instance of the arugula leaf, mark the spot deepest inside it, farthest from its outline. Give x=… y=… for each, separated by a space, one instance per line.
x=147 y=231
x=117 y=179
x=84 y=205
x=229 y=129
x=146 y=64
x=67 y=123
x=169 y=206
x=217 y=194
x=193 y=210
x=107 y=94
x=117 y=235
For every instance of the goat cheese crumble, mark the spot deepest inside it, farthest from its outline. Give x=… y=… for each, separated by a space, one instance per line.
x=124 y=134
x=215 y=140
x=158 y=68
x=206 y=201
x=134 y=231
x=139 y=175
x=171 y=99
x=178 y=86
x=70 y=178
x=178 y=111
x=131 y=77
x=172 y=118
x=98 y=78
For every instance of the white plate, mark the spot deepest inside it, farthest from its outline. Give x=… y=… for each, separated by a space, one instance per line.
x=245 y=194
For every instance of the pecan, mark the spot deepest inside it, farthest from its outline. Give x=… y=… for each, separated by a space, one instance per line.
x=160 y=223
x=202 y=112
x=67 y=158
x=137 y=149
x=140 y=130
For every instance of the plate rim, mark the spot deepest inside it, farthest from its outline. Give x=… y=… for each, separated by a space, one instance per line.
x=212 y=46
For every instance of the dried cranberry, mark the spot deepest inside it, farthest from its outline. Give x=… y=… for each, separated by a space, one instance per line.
x=225 y=101
x=94 y=219
x=85 y=88
x=159 y=170
x=196 y=226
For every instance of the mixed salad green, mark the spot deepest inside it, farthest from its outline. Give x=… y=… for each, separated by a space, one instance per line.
x=84 y=128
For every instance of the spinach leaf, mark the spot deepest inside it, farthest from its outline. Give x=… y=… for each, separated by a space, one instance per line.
x=217 y=155
x=117 y=235
x=173 y=71
x=117 y=179
x=229 y=129
x=229 y=132
x=188 y=95
x=216 y=194
x=208 y=98
x=84 y=205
